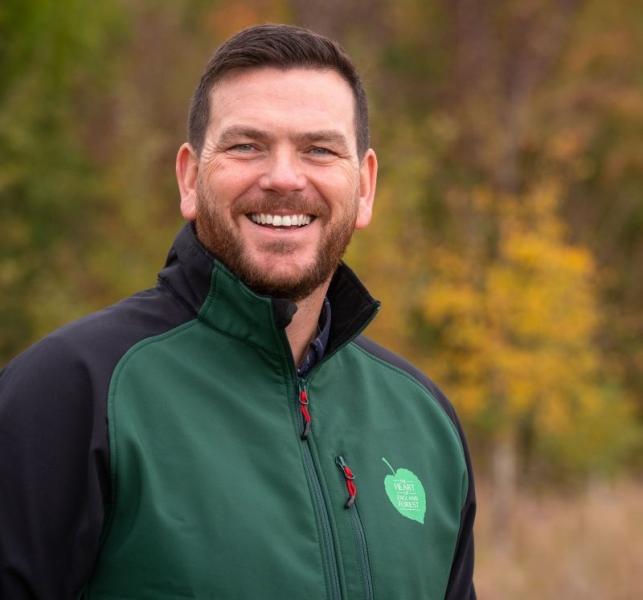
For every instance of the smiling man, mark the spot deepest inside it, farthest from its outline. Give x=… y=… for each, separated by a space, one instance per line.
x=230 y=433
x=276 y=184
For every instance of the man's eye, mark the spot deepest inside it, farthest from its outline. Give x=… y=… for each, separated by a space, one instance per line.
x=242 y=148
x=319 y=151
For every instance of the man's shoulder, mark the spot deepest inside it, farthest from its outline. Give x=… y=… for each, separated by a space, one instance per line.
x=99 y=339
x=400 y=364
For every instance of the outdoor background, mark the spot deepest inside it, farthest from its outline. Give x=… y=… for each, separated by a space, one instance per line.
x=507 y=245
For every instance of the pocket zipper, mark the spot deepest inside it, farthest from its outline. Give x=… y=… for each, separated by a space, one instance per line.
x=358 y=528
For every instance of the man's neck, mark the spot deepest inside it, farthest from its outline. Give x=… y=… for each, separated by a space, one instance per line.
x=303 y=327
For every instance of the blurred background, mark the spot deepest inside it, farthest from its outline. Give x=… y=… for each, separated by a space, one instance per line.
x=507 y=245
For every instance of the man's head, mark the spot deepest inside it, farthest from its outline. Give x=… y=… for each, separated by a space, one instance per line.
x=281 y=47
x=273 y=177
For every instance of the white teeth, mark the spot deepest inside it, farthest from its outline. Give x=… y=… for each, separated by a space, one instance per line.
x=280 y=220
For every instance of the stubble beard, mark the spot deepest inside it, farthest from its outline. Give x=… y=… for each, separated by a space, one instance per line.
x=219 y=237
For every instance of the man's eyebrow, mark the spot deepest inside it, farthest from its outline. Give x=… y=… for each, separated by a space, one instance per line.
x=232 y=134
x=328 y=136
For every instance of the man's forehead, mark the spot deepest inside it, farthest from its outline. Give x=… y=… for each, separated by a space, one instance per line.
x=320 y=99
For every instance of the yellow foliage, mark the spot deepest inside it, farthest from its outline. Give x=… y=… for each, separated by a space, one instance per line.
x=517 y=325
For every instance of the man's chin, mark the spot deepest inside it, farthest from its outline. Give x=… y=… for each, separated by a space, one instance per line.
x=280 y=271
x=291 y=286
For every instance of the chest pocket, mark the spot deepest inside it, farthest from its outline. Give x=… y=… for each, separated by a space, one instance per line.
x=397 y=521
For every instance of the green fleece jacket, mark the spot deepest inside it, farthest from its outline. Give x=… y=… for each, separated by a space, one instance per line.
x=186 y=459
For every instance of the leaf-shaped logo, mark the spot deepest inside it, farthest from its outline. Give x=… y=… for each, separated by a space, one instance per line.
x=406 y=493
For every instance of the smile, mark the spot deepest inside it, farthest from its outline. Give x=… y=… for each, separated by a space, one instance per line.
x=281 y=220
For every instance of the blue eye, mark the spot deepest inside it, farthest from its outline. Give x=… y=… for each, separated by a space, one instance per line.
x=319 y=151
x=242 y=148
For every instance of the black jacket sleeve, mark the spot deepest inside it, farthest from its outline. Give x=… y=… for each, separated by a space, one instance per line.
x=53 y=472
x=460 y=585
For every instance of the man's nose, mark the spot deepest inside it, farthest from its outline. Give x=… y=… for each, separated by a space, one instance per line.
x=283 y=173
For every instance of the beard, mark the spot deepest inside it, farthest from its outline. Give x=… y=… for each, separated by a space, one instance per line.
x=218 y=234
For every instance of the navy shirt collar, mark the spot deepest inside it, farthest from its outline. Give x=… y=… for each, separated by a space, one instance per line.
x=317 y=348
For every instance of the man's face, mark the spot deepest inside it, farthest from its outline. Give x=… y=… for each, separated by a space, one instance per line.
x=279 y=188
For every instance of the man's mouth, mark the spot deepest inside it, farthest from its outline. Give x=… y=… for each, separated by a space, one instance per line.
x=280 y=220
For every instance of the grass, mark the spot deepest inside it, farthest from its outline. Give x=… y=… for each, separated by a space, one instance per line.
x=585 y=546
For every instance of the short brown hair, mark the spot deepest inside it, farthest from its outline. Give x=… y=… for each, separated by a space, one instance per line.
x=284 y=47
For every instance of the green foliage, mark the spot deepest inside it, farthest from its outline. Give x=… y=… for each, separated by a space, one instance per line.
x=46 y=186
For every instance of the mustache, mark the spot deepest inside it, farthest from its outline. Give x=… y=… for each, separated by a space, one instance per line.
x=293 y=203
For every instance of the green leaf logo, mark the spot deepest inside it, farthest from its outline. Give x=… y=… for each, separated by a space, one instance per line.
x=406 y=493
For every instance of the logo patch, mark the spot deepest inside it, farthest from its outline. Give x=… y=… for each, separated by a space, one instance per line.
x=406 y=493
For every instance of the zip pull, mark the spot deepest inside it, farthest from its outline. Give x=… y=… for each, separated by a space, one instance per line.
x=350 y=483
x=303 y=408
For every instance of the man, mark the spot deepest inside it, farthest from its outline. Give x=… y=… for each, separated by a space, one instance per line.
x=229 y=433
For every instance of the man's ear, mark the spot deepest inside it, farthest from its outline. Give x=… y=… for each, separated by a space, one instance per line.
x=187 y=169
x=366 y=193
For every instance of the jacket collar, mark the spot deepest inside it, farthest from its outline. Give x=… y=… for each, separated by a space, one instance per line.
x=224 y=302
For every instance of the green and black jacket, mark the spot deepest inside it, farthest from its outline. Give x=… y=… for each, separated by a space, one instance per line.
x=164 y=448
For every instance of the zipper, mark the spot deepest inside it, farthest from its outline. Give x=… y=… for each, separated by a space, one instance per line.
x=350 y=483
x=303 y=409
x=329 y=555
x=358 y=528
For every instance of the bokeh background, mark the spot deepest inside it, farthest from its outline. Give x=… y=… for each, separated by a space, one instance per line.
x=507 y=246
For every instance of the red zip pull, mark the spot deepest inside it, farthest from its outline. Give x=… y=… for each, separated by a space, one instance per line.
x=349 y=478
x=303 y=408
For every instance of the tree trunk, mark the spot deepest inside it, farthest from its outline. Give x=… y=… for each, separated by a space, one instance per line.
x=503 y=479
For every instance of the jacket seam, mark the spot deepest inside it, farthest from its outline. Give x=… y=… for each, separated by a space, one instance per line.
x=111 y=422
x=209 y=299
